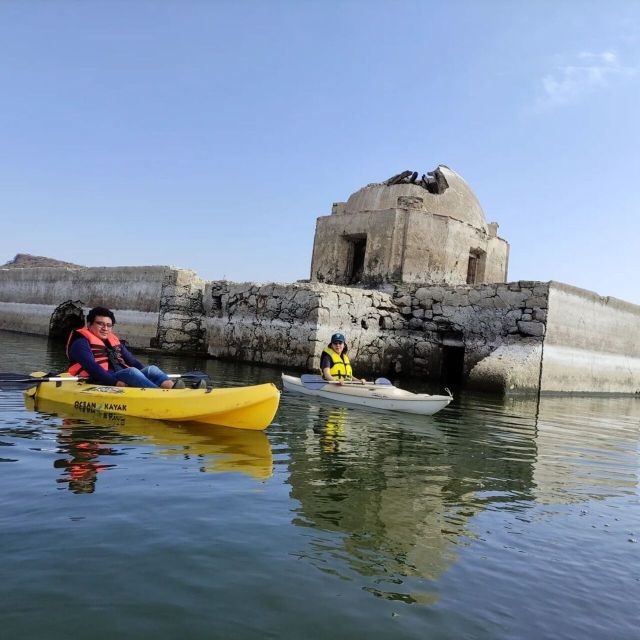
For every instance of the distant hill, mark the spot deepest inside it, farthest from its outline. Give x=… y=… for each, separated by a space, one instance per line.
x=26 y=261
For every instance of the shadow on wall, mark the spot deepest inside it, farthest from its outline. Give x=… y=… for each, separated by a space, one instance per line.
x=65 y=318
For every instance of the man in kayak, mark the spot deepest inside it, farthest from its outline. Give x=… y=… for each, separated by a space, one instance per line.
x=96 y=352
x=334 y=361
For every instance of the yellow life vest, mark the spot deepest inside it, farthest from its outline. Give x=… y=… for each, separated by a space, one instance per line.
x=341 y=367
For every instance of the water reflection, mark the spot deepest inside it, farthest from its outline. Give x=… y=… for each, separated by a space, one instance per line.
x=213 y=449
x=536 y=499
x=396 y=497
x=83 y=448
x=587 y=449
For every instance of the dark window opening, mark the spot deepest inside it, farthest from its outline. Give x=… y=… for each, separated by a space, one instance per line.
x=452 y=367
x=357 y=253
x=476 y=266
x=472 y=269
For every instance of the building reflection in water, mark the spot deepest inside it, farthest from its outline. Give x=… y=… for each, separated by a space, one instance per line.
x=395 y=496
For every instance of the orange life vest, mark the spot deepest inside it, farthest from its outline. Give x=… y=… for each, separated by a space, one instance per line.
x=98 y=349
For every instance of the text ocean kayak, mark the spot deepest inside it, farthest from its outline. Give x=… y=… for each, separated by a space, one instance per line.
x=375 y=396
x=250 y=407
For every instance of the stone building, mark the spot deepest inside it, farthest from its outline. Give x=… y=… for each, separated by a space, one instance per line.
x=430 y=230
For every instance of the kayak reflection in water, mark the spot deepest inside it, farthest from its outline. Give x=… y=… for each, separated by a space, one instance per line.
x=334 y=361
x=97 y=353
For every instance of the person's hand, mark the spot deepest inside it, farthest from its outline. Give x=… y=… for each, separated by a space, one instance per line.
x=363 y=381
x=119 y=383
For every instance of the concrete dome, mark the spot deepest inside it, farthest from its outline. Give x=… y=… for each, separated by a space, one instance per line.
x=458 y=201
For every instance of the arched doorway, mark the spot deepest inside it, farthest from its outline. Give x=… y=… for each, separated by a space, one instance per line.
x=65 y=318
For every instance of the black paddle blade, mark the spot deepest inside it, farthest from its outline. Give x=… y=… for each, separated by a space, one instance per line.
x=195 y=375
x=20 y=381
x=17 y=381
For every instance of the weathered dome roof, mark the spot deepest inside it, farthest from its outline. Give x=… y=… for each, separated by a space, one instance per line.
x=457 y=201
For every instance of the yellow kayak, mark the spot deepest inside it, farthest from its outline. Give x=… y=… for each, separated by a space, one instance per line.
x=250 y=407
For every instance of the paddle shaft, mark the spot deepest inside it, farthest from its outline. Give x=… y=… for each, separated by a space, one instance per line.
x=16 y=380
x=309 y=379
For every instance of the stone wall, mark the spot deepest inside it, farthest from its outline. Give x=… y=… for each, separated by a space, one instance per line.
x=289 y=325
x=518 y=337
x=500 y=326
x=181 y=324
x=402 y=330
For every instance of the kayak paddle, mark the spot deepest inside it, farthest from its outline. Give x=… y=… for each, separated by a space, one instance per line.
x=315 y=382
x=11 y=381
x=19 y=381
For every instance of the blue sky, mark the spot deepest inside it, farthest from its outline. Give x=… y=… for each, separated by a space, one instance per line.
x=211 y=135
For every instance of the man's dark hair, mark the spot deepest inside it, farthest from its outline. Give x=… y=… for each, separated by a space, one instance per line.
x=100 y=311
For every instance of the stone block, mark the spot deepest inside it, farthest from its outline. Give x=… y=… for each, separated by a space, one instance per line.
x=538 y=301
x=540 y=315
x=422 y=295
x=475 y=295
x=456 y=298
x=485 y=303
x=531 y=328
x=173 y=335
x=511 y=298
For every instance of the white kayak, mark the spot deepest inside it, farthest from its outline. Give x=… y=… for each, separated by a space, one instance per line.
x=376 y=396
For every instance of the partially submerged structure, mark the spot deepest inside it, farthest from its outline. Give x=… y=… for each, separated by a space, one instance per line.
x=405 y=231
x=408 y=269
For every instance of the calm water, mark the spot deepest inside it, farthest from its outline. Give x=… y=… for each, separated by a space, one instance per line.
x=492 y=519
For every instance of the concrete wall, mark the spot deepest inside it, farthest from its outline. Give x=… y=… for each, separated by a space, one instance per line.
x=28 y=297
x=592 y=343
x=135 y=288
